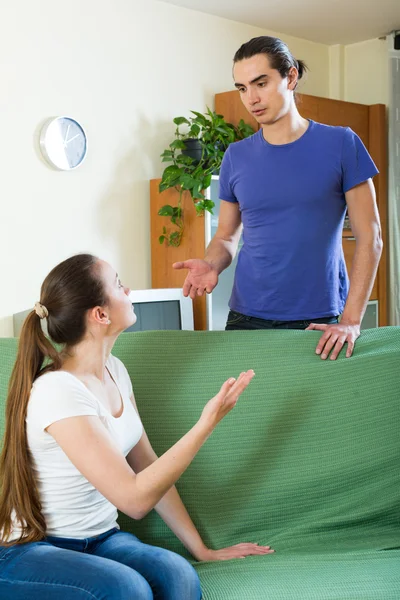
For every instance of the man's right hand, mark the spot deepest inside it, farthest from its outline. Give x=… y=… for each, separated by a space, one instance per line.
x=202 y=277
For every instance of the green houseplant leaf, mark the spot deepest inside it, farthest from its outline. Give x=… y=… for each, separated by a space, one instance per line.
x=214 y=135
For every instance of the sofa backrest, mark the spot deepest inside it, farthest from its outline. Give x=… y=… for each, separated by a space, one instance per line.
x=310 y=455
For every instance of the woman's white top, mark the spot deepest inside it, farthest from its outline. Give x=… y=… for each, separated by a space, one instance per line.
x=71 y=506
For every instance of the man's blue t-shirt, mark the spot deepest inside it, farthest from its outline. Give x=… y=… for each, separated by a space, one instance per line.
x=292 y=203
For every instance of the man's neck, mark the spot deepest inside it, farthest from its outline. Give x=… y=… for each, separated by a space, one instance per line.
x=287 y=129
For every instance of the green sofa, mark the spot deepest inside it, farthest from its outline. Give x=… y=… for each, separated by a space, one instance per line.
x=307 y=462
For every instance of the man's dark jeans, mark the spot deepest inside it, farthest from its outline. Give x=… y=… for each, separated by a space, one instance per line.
x=238 y=321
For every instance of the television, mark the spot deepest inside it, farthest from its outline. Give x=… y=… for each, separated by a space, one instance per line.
x=156 y=309
x=164 y=308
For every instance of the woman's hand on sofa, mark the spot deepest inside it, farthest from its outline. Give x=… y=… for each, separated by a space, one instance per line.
x=219 y=406
x=231 y=552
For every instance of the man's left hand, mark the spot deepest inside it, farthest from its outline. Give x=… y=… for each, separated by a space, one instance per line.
x=334 y=338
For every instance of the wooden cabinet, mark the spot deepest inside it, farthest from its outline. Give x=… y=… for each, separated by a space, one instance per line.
x=192 y=246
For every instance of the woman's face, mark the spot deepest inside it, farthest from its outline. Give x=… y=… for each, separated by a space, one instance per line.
x=119 y=306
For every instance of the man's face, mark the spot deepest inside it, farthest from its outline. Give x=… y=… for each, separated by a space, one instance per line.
x=263 y=91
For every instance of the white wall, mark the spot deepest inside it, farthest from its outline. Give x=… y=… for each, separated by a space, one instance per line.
x=359 y=72
x=366 y=72
x=336 y=71
x=124 y=69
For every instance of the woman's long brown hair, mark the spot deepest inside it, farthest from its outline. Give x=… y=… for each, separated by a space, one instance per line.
x=68 y=292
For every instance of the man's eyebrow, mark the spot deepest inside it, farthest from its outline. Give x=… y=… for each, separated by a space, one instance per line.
x=264 y=75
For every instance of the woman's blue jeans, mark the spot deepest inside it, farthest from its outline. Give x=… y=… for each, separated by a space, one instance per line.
x=112 y=566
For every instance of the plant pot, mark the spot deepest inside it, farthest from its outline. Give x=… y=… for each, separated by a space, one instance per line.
x=193 y=149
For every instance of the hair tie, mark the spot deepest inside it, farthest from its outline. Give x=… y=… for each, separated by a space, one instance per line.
x=41 y=310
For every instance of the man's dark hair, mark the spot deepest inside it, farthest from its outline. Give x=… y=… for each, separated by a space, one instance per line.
x=278 y=53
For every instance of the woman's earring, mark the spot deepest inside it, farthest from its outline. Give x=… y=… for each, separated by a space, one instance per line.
x=108 y=322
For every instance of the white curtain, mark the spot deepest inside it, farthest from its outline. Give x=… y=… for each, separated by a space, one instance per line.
x=394 y=183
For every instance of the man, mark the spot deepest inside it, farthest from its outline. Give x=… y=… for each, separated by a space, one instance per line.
x=288 y=186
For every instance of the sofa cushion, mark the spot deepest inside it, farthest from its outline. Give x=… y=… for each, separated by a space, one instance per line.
x=304 y=576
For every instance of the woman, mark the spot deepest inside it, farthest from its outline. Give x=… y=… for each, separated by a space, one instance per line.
x=75 y=451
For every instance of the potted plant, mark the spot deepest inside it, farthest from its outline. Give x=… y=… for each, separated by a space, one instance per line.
x=196 y=154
